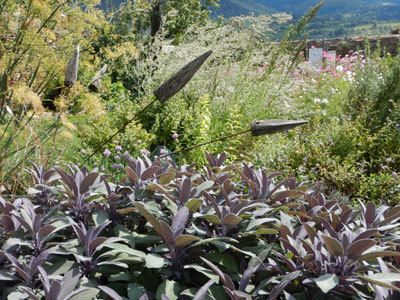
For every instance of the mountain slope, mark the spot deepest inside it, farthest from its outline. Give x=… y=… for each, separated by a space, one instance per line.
x=231 y=8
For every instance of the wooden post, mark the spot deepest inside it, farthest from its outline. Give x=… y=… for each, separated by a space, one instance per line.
x=273 y=126
x=71 y=74
x=94 y=85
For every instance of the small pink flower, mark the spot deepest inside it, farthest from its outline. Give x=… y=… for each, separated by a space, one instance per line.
x=260 y=69
x=163 y=151
x=175 y=136
x=313 y=47
x=119 y=148
x=83 y=151
x=117 y=157
x=144 y=152
x=107 y=152
x=116 y=166
x=301 y=53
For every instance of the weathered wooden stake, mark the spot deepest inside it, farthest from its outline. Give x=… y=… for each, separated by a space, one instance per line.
x=165 y=91
x=94 y=85
x=71 y=74
x=258 y=128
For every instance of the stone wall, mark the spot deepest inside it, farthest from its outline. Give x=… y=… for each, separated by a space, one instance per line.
x=342 y=46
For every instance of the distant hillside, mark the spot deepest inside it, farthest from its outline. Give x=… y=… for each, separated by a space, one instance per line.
x=337 y=18
x=232 y=8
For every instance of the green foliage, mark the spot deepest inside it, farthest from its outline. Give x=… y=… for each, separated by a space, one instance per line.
x=165 y=231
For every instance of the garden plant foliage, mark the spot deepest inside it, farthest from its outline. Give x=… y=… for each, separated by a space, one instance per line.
x=229 y=231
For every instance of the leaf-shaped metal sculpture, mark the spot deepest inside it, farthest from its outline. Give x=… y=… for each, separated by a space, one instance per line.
x=180 y=79
x=273 y=126
x=258 y=128
x=165 y=91
x=71 y=74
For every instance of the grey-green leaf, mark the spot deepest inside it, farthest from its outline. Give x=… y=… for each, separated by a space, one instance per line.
x=327 y=282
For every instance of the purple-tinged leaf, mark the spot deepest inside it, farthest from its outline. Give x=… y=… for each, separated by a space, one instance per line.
x=42 y=258
x=29 y=292
x=392 y=212
x=150 y=172
x=211 y=159
x=310 y=231
x=221 y=158
x=158 y=188
x=144 y=297
x=230 y=293
x=227 y=281
x=215 y=206
x=68 y=180
x=383 y=279
x=289 y=247
x=55 y=289
x=150 y=218
x=246 y=277
x=359 y=247
x=110 y=292
x=23 y=222
x=79 y=231
x=167 y=233
x=333 y=246
x=18 y=267
x=97 y=242
x=179 y=221
x=306 y=263
x=8 y=224
x=37 y=222
x=45 y=280
x=286 y=194
x=228 y=186
x=366 y=234
x=285 y=232
x=194 y=204
x=214 y=239
x=278 y=289
x=290 y=264
x=132 y=175
x=185 y=239
x=376 y=254
x=166 y=178
x=100 y=228
x=184 y=193
x=202 y=292
x=88 y=182
x=329 y=228
x=231 y=220
x=370 y=210
x=46 y=230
